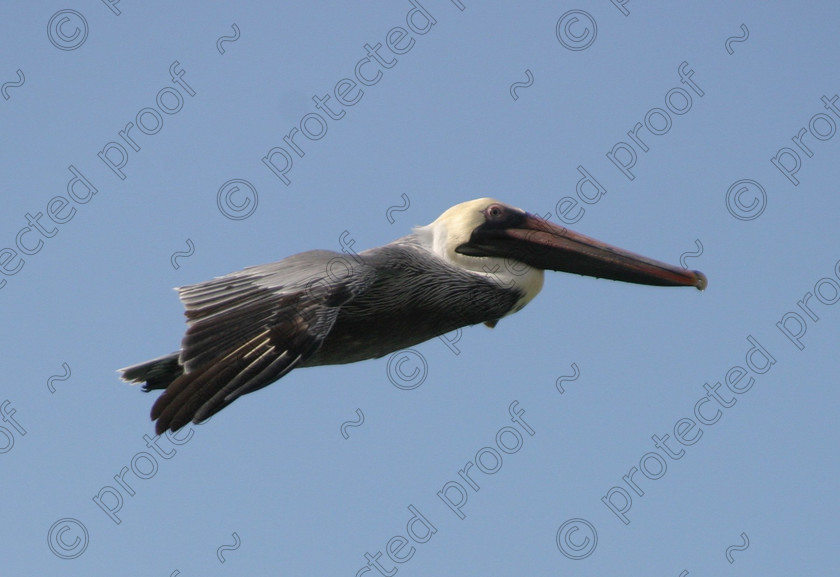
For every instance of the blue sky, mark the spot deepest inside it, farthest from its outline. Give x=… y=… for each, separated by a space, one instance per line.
x=665 y=431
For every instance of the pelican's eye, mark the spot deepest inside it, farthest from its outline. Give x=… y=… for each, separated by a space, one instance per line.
x=494 y=212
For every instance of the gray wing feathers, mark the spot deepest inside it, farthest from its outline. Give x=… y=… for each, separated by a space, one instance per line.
x=250 y=328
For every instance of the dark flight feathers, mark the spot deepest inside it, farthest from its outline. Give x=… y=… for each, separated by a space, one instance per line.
x=246 y=330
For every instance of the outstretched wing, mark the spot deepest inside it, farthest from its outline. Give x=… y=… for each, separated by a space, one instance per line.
x=251 y=327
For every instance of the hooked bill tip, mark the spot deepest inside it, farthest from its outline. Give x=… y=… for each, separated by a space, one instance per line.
x=702 y=281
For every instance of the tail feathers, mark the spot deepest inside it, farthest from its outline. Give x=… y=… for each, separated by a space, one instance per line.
x=157 y=373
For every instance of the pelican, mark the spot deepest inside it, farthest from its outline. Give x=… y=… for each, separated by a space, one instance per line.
x=477 y=263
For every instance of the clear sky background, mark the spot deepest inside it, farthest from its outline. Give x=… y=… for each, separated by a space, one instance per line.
x=488 y=100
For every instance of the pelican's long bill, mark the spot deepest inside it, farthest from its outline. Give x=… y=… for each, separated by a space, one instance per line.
x=541 y=244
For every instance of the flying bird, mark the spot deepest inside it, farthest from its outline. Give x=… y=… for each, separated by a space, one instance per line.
x=477 y=263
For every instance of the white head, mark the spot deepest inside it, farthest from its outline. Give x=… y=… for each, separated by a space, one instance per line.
x=454 y=228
